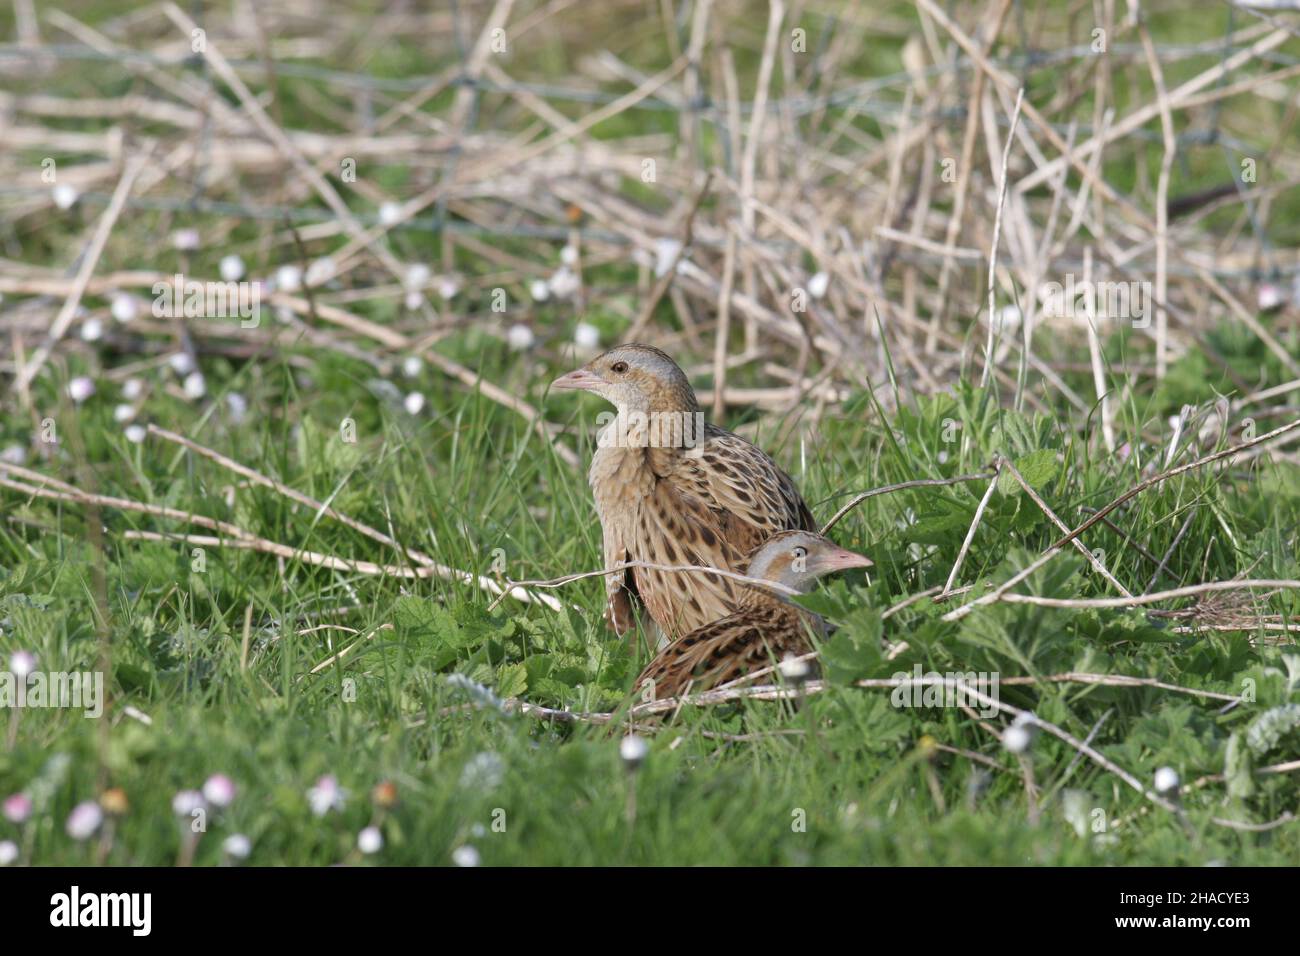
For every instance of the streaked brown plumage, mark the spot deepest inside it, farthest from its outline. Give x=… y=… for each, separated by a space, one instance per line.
x=671 y=489
x=764 y=629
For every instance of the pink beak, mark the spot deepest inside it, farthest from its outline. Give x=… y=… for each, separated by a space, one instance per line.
x=578 y=379
x=839 y=559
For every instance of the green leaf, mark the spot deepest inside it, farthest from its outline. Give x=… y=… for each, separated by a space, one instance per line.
x=1038 y=468
x=854 y=650
x=512 y=680
x=1236 y=768
x=1271 y=726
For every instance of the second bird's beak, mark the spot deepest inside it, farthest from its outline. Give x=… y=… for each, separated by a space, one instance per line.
x=579 y=379
x=839 y=560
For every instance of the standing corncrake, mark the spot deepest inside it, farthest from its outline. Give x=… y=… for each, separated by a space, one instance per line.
x=765 y=628
x=672 y=489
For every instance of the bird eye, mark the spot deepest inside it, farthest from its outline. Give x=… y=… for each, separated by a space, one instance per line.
x=618 y=368
x=800 y=552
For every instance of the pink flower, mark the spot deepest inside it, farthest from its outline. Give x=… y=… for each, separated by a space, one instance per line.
x=17 y=808
x=327 y=795
x=84 y=820
x=219 y=790
x=186 y=802
x=22 y=663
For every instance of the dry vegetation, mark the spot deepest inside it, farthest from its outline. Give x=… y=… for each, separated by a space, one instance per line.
x=832 y=213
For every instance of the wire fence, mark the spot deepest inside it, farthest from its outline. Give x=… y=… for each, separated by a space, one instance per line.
x=829 y=179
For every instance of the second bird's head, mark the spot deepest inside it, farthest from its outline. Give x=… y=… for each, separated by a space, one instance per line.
x=634 y=378
x=797 y=559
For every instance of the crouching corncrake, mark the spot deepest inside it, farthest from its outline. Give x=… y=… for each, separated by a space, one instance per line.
x=764 y=628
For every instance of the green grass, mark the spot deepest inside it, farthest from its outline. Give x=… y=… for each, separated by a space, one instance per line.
x=467 y=478
x=211 y=656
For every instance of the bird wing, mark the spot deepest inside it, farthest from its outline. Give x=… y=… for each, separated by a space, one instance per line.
x=707 y=506
x=727 y=649
x=675 y=528
x=749 y=495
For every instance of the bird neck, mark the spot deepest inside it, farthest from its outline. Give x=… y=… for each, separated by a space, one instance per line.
x=655 y=429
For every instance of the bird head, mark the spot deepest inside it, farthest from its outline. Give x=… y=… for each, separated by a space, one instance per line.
x=634 y=378
x=797 y=559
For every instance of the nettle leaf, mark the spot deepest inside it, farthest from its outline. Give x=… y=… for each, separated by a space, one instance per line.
x=1038 y=468
x=512 y=680
x=938 y=526
x=1268 y=729
x=1292 y=664
x=1128 y=625
x=436 y=629
x=1237 y=769
x=854 y=650
x=1016 y=433
x=822 y=602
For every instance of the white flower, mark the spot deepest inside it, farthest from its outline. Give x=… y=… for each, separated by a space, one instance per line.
x=288 y=278
x=818 y=283
x=22 y=663
x=326 y=795
x=181 y=363
x=1166 y=781
x=465 y=856
x=320 y=271
x=219 y=790
x=390 y=213
x=1017 y=738
x=8 y=852
x=1270 y=297
x=520 y=337
x=413 y=300
x=124 y=307
x=417 y=275
x=633 y=750
x=13 y=454
x=1007 y=318
x=231 y=268
x=84 y=820
x=135 y=434
x=569 y=255
x=237 y=406
x=666 y=251
x=539 y=290
x=370 y=840
x=478 y=693
x=80 y=389
x=132 y=388
x=794 y=670
x=412 y=366
x=237 y=846
x=123 y=413
x=564 y=283
x=186 y=240
x=586 y=336
x=414 y=403
x=195 y=386
x=448 y=288
x=65 y=196
x=186 y=802
x=92 y=330
x=485 y=771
